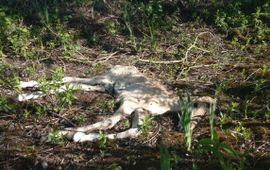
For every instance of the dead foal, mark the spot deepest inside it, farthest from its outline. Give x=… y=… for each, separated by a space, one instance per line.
x=136 y=94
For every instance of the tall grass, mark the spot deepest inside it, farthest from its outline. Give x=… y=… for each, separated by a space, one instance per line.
x=185 y=120
x=164 y=158
x=126 y=18
x=212 y=117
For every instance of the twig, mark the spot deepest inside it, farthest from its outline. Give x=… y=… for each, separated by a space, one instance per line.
x=194 y=45
x=185 y=59
x=49 y=28
x=59 y=116
x=104 y=59
x=99 y=60
x=162 y=62
x=252 y=74
x=76 y=60
x=203 y=65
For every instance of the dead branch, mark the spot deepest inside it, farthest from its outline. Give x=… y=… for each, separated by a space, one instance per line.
x=185 y=59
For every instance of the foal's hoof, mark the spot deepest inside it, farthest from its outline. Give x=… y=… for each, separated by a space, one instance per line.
x=82 y=137
x=78 y=136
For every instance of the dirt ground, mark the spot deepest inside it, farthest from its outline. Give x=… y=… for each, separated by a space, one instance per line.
x=24 y=146
x=215 y=65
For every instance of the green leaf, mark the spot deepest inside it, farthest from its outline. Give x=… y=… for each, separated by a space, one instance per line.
x=164 y=158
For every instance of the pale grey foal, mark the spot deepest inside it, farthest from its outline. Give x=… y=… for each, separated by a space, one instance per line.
x=135 y=93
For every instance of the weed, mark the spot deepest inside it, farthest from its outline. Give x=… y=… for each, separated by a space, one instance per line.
x=261 y=28
x=234 y=108
x=225 y=154
x=65 y=98
x=194 y=166
x=223 y=119
x=259 y=84
x=126 y=19
x=219 y=89
x=235 y=42
x=77 y=159
x=111 y=28
x=5 y=106
x=114 y=166
x=102 y=143
x=126 y=124
x=220 y=21
x=245 y=107
x=97 y=68
x=67 y=43
x=106 y=105
x=36 y=112
x=264 y=70
x=146 y=125
x=212 y=117
x=20 y=42
x=8 y=78
x=153 y=13
x=164 y=158
x=255 y=114
x=51 y=86
x=235 y=18
x=172 y=71
x=41 y=111
x=185 y=120
x=43 y=84
x=175 y=158
x=57 y=76
x=26 y=114
x=80 y=119
x=63 y=39
x=267 y=113
x=31 y=70
x=94 y=39
x=241 y=131
x=55 y=138
x=14 y=36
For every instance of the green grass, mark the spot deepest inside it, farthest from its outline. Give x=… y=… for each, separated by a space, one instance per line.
x=55 y=138
x=212 y=117
x=5 y=106
x=146 y=125
x=185 y=120
x=164 y=158
x=37 y=33
x=228 y=158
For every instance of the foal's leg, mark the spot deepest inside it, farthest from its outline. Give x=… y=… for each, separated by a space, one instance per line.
x=133 y=132
x=125 y=109
x=75 y=80
x=82 y=137
x=63 y=88
x=108 y=123
x=97 y=80
x=98 y=83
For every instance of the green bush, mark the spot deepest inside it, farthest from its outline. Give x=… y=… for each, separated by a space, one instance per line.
x=15 y=38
